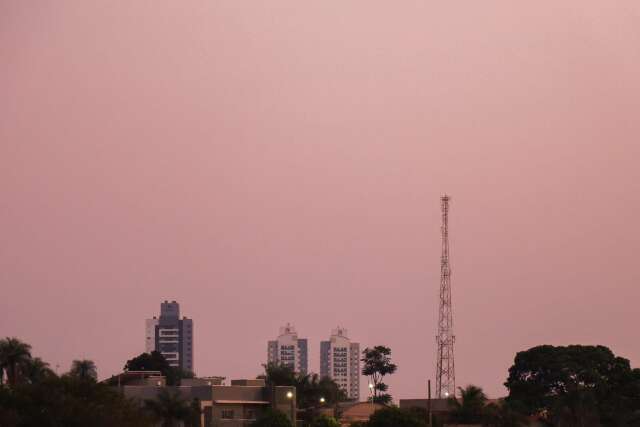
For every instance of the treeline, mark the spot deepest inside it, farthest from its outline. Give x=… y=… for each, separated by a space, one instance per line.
x=563 y=386
x=32 y=394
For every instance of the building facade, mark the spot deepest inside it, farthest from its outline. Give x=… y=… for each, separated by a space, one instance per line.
x=340 y=361
x=171 y=336
x=289 y=350
x=235 y=405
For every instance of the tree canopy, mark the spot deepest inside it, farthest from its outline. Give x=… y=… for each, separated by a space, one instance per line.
x=395 y=417
x=170 y=408
x=272 y=418
x=376 y=364
x=84 y=369
x=68 y=401
x=310 y=388
x=325 y=421
x=574 y=385
x=155 y=361
x=14 y=358
x=470 y=407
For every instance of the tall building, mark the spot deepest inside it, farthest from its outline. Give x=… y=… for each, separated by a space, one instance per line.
x=340 y=361
x=289 y=350
x=171 y=336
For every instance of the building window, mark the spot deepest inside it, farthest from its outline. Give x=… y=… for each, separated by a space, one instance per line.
x=227 y=414
x=251 y=414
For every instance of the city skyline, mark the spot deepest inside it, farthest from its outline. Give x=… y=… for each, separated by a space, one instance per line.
x=263 y=164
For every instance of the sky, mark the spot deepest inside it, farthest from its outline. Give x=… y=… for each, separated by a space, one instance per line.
x=282 y=161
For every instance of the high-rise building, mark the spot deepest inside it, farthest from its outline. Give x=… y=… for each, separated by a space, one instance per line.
x=340 y=361
x=171 y=336
x=289 y=350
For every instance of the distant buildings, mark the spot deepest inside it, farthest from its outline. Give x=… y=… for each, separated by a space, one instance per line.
x=171 y=336
x=340 y=361
x=289 y=350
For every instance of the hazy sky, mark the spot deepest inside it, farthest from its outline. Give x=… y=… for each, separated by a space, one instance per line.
x=281 y=161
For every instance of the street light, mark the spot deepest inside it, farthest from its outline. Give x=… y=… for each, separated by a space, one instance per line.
x=371 y=393
x=322 y=400
x=293 y=410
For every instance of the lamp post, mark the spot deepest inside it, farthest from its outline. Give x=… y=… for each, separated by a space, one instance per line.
x=293 y=410
x=371 y=393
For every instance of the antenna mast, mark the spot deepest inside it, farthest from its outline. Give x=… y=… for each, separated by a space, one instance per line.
x=445 y=371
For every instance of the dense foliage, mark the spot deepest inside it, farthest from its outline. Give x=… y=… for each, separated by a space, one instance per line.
x=15 y=357
x=170 y=409
x=325 y=421
x=155 y=361
x=68 y=401
x=272 y=418
x=395 y=417
x=575 y=386
x=312 y=392
x=35 y=396
x=470 y=407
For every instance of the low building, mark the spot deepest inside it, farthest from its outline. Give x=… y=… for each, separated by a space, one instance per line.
x=439 y=407
x=351 y=412
x=235 y=405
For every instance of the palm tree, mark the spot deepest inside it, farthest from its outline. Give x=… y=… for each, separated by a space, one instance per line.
x=36 y=370
x=14 y=355
x=470 y=408
x=170 y=408
x=84 y=369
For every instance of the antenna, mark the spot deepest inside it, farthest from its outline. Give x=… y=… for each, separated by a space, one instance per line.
x=445 y=370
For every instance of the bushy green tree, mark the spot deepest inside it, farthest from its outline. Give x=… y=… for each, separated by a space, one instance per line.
x=70 y=402
x=310 y=388
x=155 y=361
x=376 y=364
x=575 y=385
x=272 y=418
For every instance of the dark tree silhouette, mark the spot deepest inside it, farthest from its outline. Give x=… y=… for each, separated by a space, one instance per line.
x=14 y=357
x=377 y=364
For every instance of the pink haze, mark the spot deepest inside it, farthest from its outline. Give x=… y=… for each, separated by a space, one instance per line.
x=282 y=161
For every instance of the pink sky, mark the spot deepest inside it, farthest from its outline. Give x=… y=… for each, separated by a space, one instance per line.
x=282 y=161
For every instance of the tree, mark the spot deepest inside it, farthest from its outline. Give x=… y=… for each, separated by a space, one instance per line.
x=36 y=370
x=272 y=418
x=325 y=421
x=194 y=414
x=310 y=388
x=70 y=402
x=574 y=385
x=14 y=356
x=469 y=409
x=84 y=369
x=155 y=361
x=278 y=375
x=504 y=414
x=170 y=408
x=377 y=364
x=395 y=417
